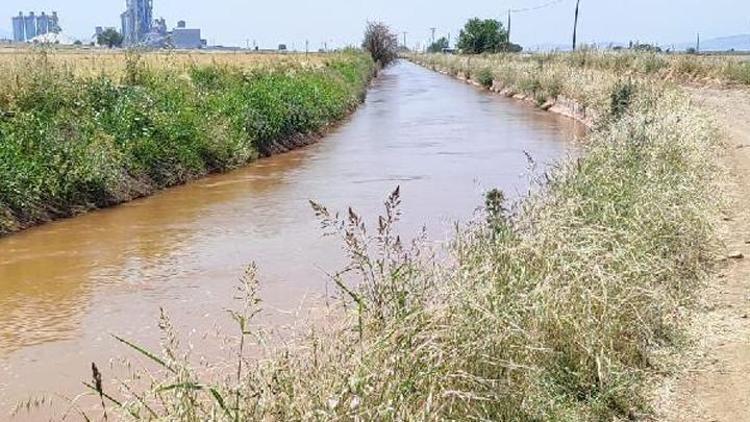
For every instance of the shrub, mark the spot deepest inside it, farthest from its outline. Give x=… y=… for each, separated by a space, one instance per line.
x=381 y=43
x=485 y=77
x=622 y=97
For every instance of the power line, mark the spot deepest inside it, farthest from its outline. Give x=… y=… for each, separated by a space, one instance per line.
x=537 y=7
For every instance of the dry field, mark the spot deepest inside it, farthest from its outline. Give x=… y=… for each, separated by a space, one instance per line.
x=88 y=61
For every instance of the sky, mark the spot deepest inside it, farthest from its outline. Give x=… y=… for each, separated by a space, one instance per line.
x=341 y=22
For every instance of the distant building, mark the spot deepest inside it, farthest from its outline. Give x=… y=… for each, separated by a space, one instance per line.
x=137 y=21
x=42 y=24
x=19 y=28
x=54 y=23
x=27 y=27
x=186 y=38
x=30 y=25
x=140 y=28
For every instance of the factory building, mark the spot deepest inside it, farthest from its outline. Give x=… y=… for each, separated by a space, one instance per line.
x=54 y=24
x=25 y=28
x=137 y=21
x=30 y=25
x=19 y=31
x=186 y=38
x=140 y=28
x=42 y=24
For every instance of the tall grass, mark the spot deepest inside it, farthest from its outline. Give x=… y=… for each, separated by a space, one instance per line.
x=554 y=308
x=70 y=142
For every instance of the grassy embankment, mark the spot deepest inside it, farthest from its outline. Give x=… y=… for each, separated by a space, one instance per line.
x=82 y=131
x=560 y=307
x=703 y=70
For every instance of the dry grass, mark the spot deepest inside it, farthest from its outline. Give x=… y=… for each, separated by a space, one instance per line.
x=95 y=61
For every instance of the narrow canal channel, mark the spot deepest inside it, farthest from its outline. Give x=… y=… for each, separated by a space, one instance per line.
x=66 y=286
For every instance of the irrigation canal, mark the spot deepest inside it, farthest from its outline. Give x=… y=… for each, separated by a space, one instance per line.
x=66 y=286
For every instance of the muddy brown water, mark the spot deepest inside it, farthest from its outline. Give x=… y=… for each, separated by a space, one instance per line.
x=66 y=286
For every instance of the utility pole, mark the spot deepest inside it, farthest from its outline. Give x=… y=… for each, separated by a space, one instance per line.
x=575 y=25
x=449 y=40
x=433 y=34
x=698 y=44
x=307 y=47
x=405 y=39
x=508 y=26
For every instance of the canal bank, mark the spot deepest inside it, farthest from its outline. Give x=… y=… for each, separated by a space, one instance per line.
x=75 y=142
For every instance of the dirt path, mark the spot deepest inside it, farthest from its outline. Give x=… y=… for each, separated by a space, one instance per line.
x=716 y=387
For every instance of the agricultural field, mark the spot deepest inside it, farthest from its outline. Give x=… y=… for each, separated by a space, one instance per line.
x=98 y=61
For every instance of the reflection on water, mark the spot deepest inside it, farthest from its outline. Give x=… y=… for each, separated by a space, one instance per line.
x=66 y=286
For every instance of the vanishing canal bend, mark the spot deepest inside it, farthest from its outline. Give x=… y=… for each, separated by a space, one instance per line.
x=65 y=286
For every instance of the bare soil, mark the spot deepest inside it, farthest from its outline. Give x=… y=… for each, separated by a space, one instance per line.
x=715 y=386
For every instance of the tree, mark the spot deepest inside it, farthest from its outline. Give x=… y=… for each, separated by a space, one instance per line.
x=381 y=43
x=482 y=36
x=438 y=46
x=110 y=37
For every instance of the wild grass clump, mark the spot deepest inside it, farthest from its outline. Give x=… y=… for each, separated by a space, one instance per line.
x=554 y=308
x=485 y=77
x=738 y=72
x=70 y=143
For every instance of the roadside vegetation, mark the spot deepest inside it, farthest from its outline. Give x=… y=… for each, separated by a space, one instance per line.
x=559 y=307
x=683 y=68
x=73 y=140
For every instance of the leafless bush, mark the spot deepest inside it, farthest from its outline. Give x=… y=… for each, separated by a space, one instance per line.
x=381 y=42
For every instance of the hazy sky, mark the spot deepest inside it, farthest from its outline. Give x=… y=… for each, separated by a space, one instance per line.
x=340 y=22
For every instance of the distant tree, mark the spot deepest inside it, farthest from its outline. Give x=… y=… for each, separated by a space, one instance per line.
x=110 y=38
x=482 y=36
x=649 y=48
x=509 y=47
x=381 y=43
x=438 y=46
x=77 y=42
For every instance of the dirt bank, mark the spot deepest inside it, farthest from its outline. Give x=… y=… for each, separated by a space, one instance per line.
x=715 y=386
x=561 y=105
